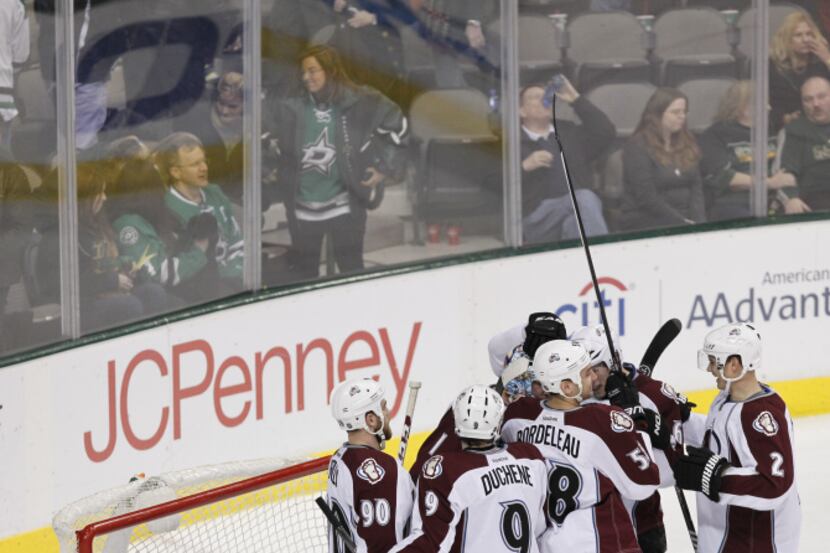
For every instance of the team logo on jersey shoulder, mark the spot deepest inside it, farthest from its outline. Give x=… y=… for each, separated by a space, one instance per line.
x=765 y=423
x=128 y=236
x=433 y=467
x=667 y=390
x=371 y=471
x=621 y=422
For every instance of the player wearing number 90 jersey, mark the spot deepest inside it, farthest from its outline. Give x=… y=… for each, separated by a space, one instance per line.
x=369 y=492
x=484 y=497
x=593 y=452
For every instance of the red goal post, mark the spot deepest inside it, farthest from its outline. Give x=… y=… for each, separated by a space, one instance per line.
x=204 y=510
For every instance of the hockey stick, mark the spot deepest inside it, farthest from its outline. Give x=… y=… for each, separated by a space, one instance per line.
x=665 y=336
x=336 y=525
x=615 y=358
x=414 y=386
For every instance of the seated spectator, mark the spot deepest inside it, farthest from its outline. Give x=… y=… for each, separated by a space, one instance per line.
x=370 y=44
x=182 y=163
x=456 y=30
x=798 y=51
x=109 y=294
x=217 y=123
x=339 y=143
x=147 y=239
x=547 y=212
x=806 y=151
x=14 y=49
x=661 y=175
x=726 y=164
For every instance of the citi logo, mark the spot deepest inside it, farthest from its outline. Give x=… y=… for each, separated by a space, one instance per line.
x=586 y=309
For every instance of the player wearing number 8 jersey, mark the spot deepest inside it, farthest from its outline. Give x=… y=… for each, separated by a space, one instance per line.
x=368 y=490
x=485 y=497
x=745 y=469
x=593 y=451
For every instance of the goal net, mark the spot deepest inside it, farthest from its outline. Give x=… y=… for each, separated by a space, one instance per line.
x=252 y=506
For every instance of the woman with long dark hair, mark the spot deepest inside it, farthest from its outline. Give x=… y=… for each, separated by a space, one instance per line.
x=661 y=174
x=339 y=144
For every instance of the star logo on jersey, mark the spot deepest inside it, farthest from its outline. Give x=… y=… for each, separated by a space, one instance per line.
x=320 y=155
x=766 y=424
x=370 y=471
x=621 y=422
x=433 y=468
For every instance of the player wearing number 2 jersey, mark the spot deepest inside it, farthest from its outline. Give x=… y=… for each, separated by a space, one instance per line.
x=368 y=490
x=484 y=497
x=593 y=452
x=745 y=470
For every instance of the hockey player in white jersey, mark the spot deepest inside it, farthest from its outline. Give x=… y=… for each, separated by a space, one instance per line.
x=368 y=490
x=593 y=451
x=485 y=497
x=745 y=473
x=631 y=390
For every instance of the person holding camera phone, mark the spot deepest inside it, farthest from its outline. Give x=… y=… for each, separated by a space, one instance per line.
x=547 y=214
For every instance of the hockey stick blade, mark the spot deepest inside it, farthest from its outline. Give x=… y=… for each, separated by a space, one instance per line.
x=336 y=525
x=665 y=336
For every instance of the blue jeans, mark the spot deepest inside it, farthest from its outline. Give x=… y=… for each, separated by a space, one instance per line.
x=554 y=220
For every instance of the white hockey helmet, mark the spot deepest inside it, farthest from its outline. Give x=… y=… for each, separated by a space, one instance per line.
x=739 y=339
x=352 y=399
x=478 y=412
x=593 y=339
x=560 y=360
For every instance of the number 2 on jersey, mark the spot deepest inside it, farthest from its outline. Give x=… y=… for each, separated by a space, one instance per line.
x=564 y=484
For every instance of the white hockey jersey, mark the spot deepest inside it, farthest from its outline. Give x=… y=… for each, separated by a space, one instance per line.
x=371 y=493
x=594 y=454
x=14 y=48
x=491 y=501
x=759 y=509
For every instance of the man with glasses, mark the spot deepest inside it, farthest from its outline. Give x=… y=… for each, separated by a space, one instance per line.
x=200 y=206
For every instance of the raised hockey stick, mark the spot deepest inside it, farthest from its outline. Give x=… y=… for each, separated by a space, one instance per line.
x=336 y=525
x=665 y=336
x=414 y=386
x=615 y=358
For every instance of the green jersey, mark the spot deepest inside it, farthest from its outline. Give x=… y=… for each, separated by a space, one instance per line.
x=322 y=194
x=141 y=246
x=230 y=247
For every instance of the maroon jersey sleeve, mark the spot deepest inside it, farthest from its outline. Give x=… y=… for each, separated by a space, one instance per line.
x=762 y=456
x=442 y=440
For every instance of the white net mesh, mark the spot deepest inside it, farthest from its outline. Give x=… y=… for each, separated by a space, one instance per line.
x=278 y=518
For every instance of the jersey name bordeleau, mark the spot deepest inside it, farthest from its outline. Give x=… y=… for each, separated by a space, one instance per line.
x=489 y=501
x=759 y=508
x=371 y=493
x=593 y=454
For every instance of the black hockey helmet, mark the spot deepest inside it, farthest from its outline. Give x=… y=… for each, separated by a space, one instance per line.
x=542 y=327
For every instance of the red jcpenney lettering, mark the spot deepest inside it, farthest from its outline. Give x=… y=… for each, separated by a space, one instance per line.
x=199 y=356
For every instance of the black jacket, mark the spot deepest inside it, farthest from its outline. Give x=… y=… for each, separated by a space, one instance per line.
x=372 y=132
x=583 y=144
x=657 y=195
x=806 y=154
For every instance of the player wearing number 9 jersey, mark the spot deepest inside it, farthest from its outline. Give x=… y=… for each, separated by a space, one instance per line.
x=484 y=497
x=368 y=490
x=745 y=472
x=593 y=453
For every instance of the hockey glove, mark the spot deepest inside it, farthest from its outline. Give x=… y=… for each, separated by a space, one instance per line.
x=621 y=391
x=651 y=423
x=686 y=410
x=542 y=327
x=700 y=470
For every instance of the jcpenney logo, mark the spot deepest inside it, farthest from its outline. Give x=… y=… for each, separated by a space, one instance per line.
x=241 y=378
x=586 y=310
